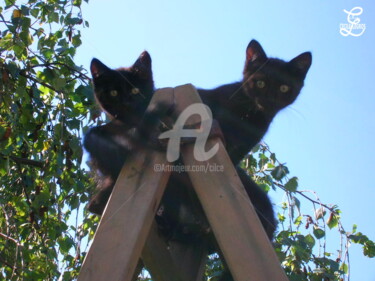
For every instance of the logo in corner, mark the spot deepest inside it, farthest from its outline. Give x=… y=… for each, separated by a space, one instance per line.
x=353 y=27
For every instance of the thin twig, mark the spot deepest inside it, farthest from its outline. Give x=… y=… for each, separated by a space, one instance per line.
x=10 y=238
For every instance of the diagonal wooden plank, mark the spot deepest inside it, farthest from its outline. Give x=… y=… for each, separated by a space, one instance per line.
x=130 y=211
x=174 y=261
x=190 y=258
x=158 y=260
x=239 y=233
x=126 y=221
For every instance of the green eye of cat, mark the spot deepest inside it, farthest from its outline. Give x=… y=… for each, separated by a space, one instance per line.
x=135 y=91
x=261 y=84
x=113 y=93
x=284 y=88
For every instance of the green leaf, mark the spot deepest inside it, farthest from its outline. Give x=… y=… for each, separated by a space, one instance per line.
x=344 y=268
x=35 y=12
x=4 y=166
x=58 y=83
x=82 y=93
x=76 y=40
x=13 y=69
x=333 y=220
x=8 y=3
x=47 y=53
x=65 y=244
x=273 y=158
x=6 y=42
x=263 y=159
x=19 y=51
x=318 y=232
x=53 y=17
x=309 y=240
x=73 y=21
x=369 y=249
x=354 y=229
x=279 y=172
x=256 y=148
x=281 y=217
x=358 y=238
x=25 y=10
x=77 y=3
x=292 y=184
x=298 y=220
x=264 y=187
x=296 y=202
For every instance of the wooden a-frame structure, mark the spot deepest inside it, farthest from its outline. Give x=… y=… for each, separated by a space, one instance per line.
x=127 y=232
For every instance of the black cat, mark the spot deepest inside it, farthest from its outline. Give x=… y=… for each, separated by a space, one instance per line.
x=110 y=144
x=246 y=109
x=124 y=93
x=115 y=141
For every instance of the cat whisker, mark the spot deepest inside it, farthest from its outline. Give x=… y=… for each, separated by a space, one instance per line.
x=296 y=111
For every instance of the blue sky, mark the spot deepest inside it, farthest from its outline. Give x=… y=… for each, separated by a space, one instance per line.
x=326 y=137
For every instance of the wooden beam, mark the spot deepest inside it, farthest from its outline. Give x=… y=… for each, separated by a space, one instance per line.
x=175 y=261
x=190 y=259
x=127 y=219
x=239 y=233
x=158 y=260
x=125 y=224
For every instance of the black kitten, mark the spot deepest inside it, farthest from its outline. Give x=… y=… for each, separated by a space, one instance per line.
x=246 y=109
x=124 y=93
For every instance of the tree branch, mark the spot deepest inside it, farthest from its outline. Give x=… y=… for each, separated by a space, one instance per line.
x=80 y=74
x=24 y=161
x=307 y=197
x=39 y=82
x=10 y=238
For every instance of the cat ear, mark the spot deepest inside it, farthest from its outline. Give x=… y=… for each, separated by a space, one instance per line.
x=301 y=63
x=143 y=64
x=98 y=68
x=255 y=52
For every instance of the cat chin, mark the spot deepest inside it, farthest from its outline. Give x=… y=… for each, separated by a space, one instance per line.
x=258 y=105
